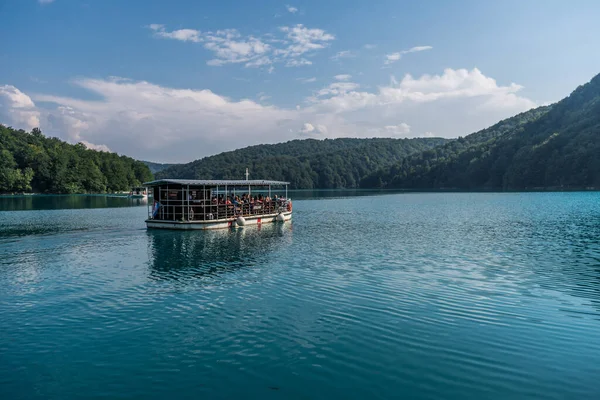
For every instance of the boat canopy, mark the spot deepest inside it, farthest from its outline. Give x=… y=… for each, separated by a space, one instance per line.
x=195 y=182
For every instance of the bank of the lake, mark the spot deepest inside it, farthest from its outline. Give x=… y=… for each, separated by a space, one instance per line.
x=394 y=295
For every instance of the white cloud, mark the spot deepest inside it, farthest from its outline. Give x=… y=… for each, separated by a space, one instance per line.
x=343 y=54
x=291 y=9
x=230 y=47
x=370 y=46
x=308 y=128
x=185 y=35
x=418 y=48
x=337 y=88
x=145 y=120
x=459 y=83
x=97 y=147
x=393 y=57
x=303 y=40
x=307 y=80
x=390 y=58
x=298 y=63
x=45 y=1
x=453 y=102
x=150 y=121
x=17 y=109
x=342 y=77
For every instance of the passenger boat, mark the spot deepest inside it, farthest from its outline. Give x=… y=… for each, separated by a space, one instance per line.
x=213 y=204
x=138 y=193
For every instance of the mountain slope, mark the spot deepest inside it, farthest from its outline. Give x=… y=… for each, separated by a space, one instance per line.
x=555 y=146
x=157 y=167
x=306 y=164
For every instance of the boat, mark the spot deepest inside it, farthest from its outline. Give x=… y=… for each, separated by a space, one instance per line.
x=138 y=193
x=215 y=204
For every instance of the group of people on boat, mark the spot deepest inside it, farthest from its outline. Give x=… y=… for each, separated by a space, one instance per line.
x=248 y=204
x=244 y=199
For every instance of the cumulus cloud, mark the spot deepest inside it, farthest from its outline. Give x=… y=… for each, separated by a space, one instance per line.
x=231 y=47
x=17 y=109
x=304 y=40
x=393 y=57
x=308 y=128
x=149 y=121
x=455 y=101
x=291 y=9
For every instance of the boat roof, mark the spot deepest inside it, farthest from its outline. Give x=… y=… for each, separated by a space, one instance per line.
x=196 y=182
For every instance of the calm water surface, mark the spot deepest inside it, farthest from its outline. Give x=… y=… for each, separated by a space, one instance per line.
x=419 y=296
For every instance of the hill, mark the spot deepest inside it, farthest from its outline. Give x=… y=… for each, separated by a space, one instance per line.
x=157 y=167
x=306 y=164
x=32 y=162
x=552 y=147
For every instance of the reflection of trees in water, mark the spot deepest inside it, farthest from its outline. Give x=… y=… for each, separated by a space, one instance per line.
x=185 y=254
x=58 y=202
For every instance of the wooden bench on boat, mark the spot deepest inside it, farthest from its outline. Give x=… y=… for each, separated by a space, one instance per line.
x=201 y=204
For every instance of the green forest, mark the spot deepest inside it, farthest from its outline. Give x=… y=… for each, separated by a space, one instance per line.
x=31 y=162
x=555 y=147
x=306 y=164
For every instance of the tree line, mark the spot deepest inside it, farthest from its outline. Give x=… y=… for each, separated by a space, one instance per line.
x=32 y=162
x=306 y=164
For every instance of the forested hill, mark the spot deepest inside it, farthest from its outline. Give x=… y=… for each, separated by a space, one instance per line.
x=157 y=167
x=31 y=162
x=553 y=147
x=306 y=164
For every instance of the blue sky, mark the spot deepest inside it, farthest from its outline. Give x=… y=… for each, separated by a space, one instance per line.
x=175 y=81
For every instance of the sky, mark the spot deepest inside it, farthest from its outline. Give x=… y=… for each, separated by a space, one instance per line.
x=174 y=81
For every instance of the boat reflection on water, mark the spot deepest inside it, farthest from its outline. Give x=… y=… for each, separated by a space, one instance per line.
x=183 y=255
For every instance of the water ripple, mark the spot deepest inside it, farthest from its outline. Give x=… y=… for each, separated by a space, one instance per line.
x=400 y=295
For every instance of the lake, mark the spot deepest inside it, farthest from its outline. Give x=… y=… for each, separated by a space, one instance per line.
x=394 y=295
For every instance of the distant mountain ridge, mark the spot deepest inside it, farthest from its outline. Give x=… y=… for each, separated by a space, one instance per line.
x=157 y=167
x=307 y=163
x=551 y=147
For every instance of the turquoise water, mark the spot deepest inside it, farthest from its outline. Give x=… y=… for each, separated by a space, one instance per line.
x=418 y=296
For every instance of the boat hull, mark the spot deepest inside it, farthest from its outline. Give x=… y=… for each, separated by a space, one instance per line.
x=215 y=224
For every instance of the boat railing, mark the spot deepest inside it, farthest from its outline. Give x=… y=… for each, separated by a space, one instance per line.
x=177 y=210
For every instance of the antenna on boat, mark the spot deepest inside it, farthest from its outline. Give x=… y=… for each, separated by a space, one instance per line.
x=247 y=173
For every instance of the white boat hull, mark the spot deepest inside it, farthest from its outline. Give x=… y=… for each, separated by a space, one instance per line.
x=216 y=224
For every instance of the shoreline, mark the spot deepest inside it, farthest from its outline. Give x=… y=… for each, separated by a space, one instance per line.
x=365 y=190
